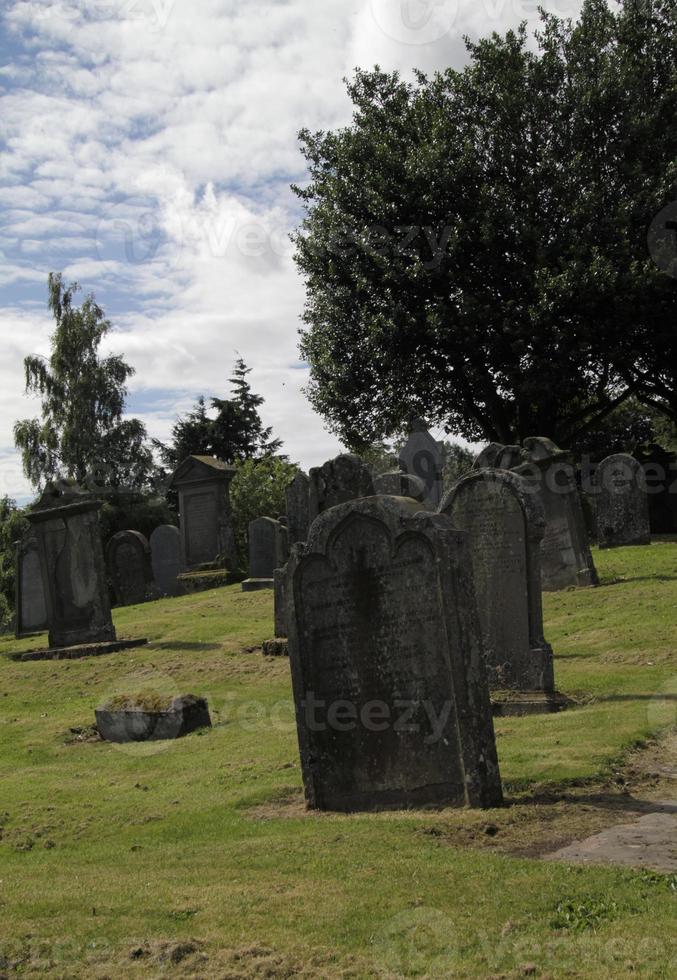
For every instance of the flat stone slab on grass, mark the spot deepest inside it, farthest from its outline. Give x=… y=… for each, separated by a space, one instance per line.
x=650 y=842
x=78 y=652
x=186 y=714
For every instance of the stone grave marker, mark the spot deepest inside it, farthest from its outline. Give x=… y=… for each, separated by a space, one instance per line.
x=423 y=457
x=339 y=480
x=129 y=567
x=389 y=679
x=622 y=502
x=165 y=550
x=206 y=520
x=30 y=604
x=66 y=524
x=299 y=516
x=268 y=550
x=506 y=523
x=566 y=559
x=399 y=484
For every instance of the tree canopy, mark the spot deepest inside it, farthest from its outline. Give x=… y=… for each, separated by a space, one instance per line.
x=233 y=433
x=475 y=243
x=81 y=433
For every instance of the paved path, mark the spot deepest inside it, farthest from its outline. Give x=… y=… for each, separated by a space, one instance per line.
x=650 y=842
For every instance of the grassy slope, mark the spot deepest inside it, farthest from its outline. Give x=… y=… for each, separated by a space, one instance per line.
x=103 y=848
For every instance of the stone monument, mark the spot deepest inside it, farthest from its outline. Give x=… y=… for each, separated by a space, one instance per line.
x=203 y=485
x=165 y=550
x=506 y=524
x=339 y=480
x=30 y=605
x=268 y=550
x=299 y=517
x=389 y=680
x=398 y=484
x=622 y=502
x=566 y=559
x=423 y=457
x=66 y=524
x=129 y=567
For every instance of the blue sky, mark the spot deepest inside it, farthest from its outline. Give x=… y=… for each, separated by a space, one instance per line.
x=147 y=151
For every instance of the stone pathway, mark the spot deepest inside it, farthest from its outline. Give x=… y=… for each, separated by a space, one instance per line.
x=650 y=842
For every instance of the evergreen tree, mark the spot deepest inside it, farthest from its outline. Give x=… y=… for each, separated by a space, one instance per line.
x=234 y=433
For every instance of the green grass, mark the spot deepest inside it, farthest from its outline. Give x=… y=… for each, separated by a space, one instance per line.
x=111 y=855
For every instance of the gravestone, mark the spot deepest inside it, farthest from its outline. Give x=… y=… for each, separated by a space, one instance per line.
x=389 y=681
x=622 y=502
x=129 y=567
x=165 y=550
x=566 y=559
x=339 y=480
x=299 y=516
x=206 y=520
x=660 y=475
x=66 y=524
x=506 y=524
x=268 y=550
x=423 y=457
x=279 y=646
x=30 y=604
x=399 y=484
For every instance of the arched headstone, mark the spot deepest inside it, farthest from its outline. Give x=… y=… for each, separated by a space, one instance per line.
x=390 y=686
x=506 y=524
x=622 y=502
x=129 y=567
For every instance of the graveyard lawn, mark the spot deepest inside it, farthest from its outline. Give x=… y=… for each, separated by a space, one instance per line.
x=197 y=857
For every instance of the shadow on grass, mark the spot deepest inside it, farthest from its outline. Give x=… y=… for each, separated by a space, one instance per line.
x=184 y=645
x=615 y=802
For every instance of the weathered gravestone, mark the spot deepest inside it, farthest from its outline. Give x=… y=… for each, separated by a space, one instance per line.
x=506 y=524
x=397 y=484
x=30 y=605
x=389 y=680
x=66 y=524
x=339 y=480
x=268 y=550
x=660 y=474
x=423 y=457
x=622 y=502
x=279 y=647
x=129 y=567
x=566 y=559
x=203 y=485
x=165 y=550
x=299 y=516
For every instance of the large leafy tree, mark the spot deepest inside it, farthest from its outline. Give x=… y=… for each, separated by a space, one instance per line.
x=475 y=243
x=232 y=432
x=81 y=432
x=13 y=526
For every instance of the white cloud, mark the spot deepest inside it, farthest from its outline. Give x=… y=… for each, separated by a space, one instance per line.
x=149 y=149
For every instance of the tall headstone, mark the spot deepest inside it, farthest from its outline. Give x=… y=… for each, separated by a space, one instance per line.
x=506 y=524
x=129 y=567
x=30 y=605
x=423 y=457
x=660 y=475
x=339 y=480
x=268 y=550
x=165 y=549
x=66 y=524
x=566 y=559
x=389 y=679
x=203 y=486
x=299 y=516
x=398 y=484
x=622 y=502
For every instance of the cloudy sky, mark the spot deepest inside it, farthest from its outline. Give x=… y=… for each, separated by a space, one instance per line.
x=147 y=151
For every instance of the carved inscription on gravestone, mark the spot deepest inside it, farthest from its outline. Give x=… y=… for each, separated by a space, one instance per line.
x=371 y=634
